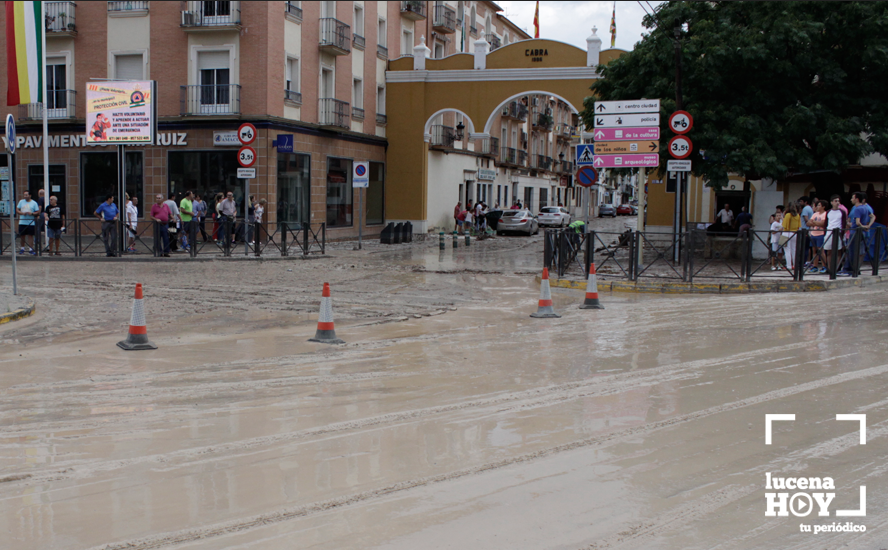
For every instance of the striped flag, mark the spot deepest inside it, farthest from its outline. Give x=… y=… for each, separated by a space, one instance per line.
x=614 y=25
x=536 y=21
x=24 y=52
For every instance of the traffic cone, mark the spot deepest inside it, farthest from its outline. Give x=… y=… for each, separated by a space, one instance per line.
x=138 y=332
x=591 y=301
x=545 y=309
x=326 y=334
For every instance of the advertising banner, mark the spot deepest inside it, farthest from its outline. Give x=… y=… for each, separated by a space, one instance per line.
x=120 y=111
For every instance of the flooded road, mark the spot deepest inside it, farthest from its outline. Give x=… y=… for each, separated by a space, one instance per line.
x=450 y=419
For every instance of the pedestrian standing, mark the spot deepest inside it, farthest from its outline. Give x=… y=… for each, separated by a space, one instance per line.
x=860 y=220
x=174 y=221
x=457 y=223
x=217 y=216
x=776 y=232
x=109 y=213
x=55 y=225
x=817 y=230
x=41 y=219
x=806 y=211
x=27 y=210
x=132 y=222
x=835 y=219
x=791 y=225
x=160 y=215
x=229 y=215
x=186 y=213
x=744 y=221
x=260 y=211
x=777 y=210
x=726 y=216
x=200 y=212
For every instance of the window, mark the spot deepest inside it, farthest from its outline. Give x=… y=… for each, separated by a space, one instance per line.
x=206 y=173
x=129 y=67
x=98 y=179
x=544 y=197
x=328 y=9
x=214 y=80
x=439 y=50
x=294 y=188
x=292 y=85
x=56 y=89
x=380 y=100
x=375 y=195
x=406 y=42
x=474 y=25
x=359 y=20
x=528 y=198
x=506 y=196
x=380 y=35
x=216 y=9
x=56 y=183
x=340 y=195
x=505 y=38
x=358 y=93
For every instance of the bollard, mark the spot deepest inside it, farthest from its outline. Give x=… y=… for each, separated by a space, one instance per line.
x=441 y=240
x=468 y=240
x=455 y=240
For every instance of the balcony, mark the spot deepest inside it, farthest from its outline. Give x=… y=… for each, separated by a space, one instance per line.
x=493 y=40
x=509 y=155
x=381 y=119
x=357 y=114
x=522 y=158
x=515 y=110
x=473 y=30
x=490 y=147
x=293 y=97
x=382 y=52
x=565 y=167
x=59 y=19
x=563 y=131
x=358 y=41
x=542 y=122
x=293 y=12
x=414 y=10
x=61 y=106
x=211 y=16
x=444 y=21
x=442 y=136
x=127 y=9
x=212 y=100
x=334 y=113
x=542 y=162
x=335 y=36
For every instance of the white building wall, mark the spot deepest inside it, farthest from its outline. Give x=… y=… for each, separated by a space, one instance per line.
x=445 y=176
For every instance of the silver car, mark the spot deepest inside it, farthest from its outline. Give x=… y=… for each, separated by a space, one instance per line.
x=607 y=210
x=518 y=220
x=554 y=216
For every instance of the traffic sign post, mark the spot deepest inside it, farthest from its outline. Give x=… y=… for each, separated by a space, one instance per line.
x=585 y=155
x=246 y=133
x=246 y=157
x=10 y=158
x=625 y=107
x=587 y=176
x=627 y=134
x=360 y=180
x=623 y=147
x=681 y=122
x=626 y=161
x=629 y=121
x=678 y=166
x=680 y=147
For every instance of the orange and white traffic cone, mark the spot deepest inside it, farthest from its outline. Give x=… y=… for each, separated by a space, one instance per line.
x=545 y=309
x=591 y=301
x=138 y=332
x=326 y=334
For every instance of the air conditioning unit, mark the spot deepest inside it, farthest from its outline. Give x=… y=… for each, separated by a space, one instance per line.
x=187 y=18
x=523 y=136
x=505 y=110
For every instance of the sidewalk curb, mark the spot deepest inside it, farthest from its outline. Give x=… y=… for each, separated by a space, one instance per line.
x=26 y=311
x=173 y=259
x=652 y=287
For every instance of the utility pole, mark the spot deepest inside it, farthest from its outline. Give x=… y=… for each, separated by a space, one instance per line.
x=679 y=176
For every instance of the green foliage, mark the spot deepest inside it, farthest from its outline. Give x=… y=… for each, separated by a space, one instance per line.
x=775 y=88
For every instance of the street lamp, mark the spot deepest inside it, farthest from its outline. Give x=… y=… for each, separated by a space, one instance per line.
x=459 y=131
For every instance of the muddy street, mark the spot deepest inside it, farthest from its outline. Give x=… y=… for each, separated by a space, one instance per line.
x=449 y=419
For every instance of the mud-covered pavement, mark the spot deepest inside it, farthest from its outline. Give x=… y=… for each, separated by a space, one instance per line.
x=450 y=419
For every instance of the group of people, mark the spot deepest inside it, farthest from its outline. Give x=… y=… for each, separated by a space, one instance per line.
x=33 y=215
x=473 y=216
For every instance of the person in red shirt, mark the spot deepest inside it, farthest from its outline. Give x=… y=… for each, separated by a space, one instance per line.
x=160 y=213
x=456 y=211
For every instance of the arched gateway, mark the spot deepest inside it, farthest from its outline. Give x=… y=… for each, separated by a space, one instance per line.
x=494 y=126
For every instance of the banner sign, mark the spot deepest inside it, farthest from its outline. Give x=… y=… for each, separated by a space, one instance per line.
x=120 y=111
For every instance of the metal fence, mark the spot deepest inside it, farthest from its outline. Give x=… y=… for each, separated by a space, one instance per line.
x=84 y=238
x=738 y=256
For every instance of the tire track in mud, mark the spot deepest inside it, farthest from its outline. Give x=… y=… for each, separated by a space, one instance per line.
x=683 y=514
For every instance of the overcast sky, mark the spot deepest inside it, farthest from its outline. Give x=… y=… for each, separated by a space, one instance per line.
x=572 y=22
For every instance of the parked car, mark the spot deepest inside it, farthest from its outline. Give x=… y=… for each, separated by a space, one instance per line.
x=493 y=217
x=624 y=210
x=634 y=208
x=607 y=210
x=518 y=220
x=554 y=216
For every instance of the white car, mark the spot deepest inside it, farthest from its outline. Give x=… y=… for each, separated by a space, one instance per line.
x=554 y=216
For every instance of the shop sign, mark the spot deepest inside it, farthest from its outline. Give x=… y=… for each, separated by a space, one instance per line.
x=225 y=138
x=120 y=111
x=486 y=175
x=79 y=140
x=284 y=143
x=4 y=172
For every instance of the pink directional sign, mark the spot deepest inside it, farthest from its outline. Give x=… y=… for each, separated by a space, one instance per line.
x=625 y=161
x=626 y=134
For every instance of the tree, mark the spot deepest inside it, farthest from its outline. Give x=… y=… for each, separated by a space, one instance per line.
x=775 y=88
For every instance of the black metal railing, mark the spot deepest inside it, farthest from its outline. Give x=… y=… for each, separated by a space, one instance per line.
x=445 y=19
x=334 y=112
x=493 y=40
x=413 y=9
x=294 y=10
x=295 y=97
x=490 y=146
x=382 y=51
x=128 y=5
x=522 y=158
x=211 y=99
x=516 y=110
x=211 y=14
x=542 y=121
x=60 y=104
x=357 y=113
x=60 y=17
x=381 y=119
x=358 y=41
x=442 y=136
x=508 y=155
x=335 y=34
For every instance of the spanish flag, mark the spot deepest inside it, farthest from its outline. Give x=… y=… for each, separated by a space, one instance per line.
x=24 y=52
x=536 y=21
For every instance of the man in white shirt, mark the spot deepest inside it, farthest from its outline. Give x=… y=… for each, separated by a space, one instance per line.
x=132 y=219
x=726 y=216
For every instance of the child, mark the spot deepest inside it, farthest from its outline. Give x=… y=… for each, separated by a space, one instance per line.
x=776 y=231
x=816 y=227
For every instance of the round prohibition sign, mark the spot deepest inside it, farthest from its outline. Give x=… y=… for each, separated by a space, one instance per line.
x=587 y=176
x=681 y=122
x=246 y=133
x=360 y=170
x=246 y=157
x=680 y=147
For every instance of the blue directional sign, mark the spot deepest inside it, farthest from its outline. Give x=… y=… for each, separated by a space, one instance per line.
x=585 y=154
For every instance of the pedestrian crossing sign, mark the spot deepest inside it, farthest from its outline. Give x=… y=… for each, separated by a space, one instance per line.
x=585 y=154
